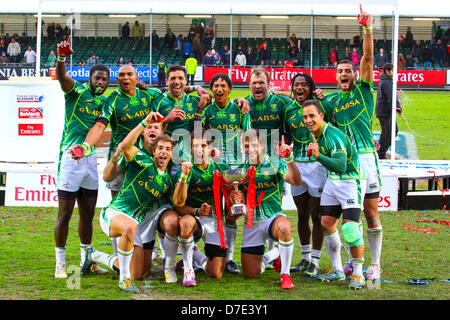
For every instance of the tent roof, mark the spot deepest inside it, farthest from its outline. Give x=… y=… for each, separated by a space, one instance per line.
x=407 y=8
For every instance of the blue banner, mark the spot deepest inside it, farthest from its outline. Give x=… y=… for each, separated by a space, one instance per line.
x=82 y=73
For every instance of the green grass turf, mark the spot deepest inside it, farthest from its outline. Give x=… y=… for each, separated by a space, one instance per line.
x=27 y=262
x=425 y=113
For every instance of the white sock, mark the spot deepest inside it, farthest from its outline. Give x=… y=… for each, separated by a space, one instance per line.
x=230 y=236
x=271 y=255
x=60 y=254
x=333 y=243
x=286 y=251
x=306 y=252
x=357 y=266
x=375 y=238
x=270 y=244
x=199 y=257
x=104 y=258
x=114 y=245
x=186 y=248
x=124 y=263
x=83 y=249
x=315 y=257
x=171 y=249
x=161 y=247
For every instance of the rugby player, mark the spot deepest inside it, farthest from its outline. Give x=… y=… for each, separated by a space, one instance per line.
x=307 y=195
x=353 y=113
x=139 y=203
x=342 y=193
x=194 y=200
x=77 y=180
x=227 y=116
x=268 y=219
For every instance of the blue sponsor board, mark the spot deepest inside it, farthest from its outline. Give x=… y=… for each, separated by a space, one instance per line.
x=82 y=73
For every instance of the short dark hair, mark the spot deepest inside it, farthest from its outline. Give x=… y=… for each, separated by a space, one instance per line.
x=176 y=67
x=222 y=76
x=99 y=67
x=163 y=137
x=313 y=103
x=347 y=61
x=309 y=82
x=387 y=67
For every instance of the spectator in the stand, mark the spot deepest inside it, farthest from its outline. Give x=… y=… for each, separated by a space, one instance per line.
x=401 y=64
x=409 y=39
x=23 y=40
x=236 y=51
x=292 y=51
x=93 y=59
x=280 y=64
x=380 y=59
x=347 y=53
x=13 y=51
x=208 y=59
x=326 y=65
x=51 y=60
x=3 y=46
x=29 y=56
x=292 y=38
x=227 y=59
x=169 y=39
x=197 y=47
x=298 y=63
x=334 y=57
x=264 y=54
x=187 y=49
x=223 y=51
x=417 y=53
x=66 y=32
x=80 y=63
x=438 y=52
x=262 y=44
x=191 y=66
x=438 y=33
x=131 y=61
x=241 y=59
x=162 y=69
x=126 y=31
x=155 y=40
x=207 y=40
x=121 y=61
x=250 y=56
x=59 y=33
x=427 y=57
x=355 y=57
x=355 y=42
x=179 y=45
x=409 y=62
x=51 y=31
x=216 y=57
x=3 y=58
x=136 y=30
x=301 y=45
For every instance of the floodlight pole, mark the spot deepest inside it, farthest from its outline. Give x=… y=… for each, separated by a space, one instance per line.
x=151 y=45
x=71 y=37
x=231 y=43
x=312 y=40
x=38 y=39
x=394 y=84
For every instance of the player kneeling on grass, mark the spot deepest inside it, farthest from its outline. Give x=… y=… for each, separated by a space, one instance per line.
x=268 y=219
x=194 y=200
x=138 y=208
x=341 y=194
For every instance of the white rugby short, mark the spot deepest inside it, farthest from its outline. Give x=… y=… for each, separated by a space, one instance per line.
x=210 y=235
x=346 y=193
x=369 y=163
x=259 y=232
x=73 y=174
x=314 y=176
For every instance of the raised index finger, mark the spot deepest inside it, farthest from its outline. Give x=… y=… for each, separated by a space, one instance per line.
x=68 y=39
x=360 y=8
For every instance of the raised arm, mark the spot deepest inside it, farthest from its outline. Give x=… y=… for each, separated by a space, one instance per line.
x=64 y=50
x=366 y=64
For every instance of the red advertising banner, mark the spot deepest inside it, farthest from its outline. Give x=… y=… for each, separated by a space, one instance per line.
x=30 y=113
x=31 y=129
x=281 y=77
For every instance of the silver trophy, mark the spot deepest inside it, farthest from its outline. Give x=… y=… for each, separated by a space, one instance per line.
x=235 y=177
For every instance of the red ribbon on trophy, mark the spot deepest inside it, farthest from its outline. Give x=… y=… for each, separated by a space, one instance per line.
x=235 y=177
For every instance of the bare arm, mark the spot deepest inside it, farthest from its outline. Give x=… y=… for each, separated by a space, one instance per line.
x=112 y=170
x=181 y=188
x=64 y=50
x=366 y=66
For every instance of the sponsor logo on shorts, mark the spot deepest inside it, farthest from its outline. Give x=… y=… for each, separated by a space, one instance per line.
x=350 y=201
x=373 y=185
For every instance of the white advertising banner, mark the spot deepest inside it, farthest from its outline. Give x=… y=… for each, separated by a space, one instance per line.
x=31 y=120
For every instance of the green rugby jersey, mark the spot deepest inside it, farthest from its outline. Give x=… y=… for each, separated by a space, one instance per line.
x=124 y=112
x=353 y=113
x=269 y=179
x=200 y=184
x=144 y=188
x=331 y=140
x=296 y=127
x=229 y=121
x=82 y=108
x=268 y=114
